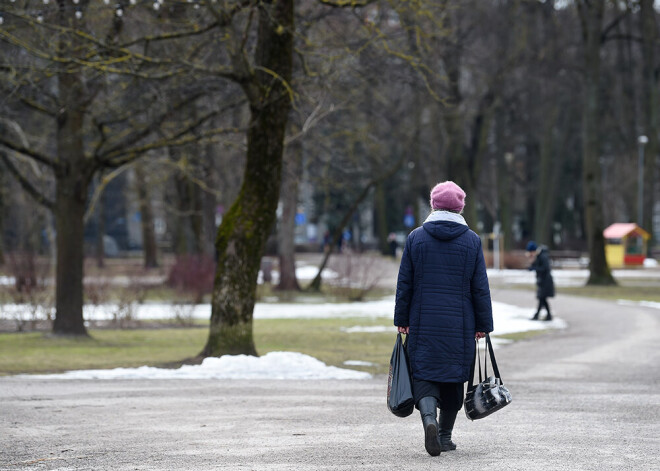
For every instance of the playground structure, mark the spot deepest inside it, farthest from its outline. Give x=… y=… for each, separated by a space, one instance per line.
x=625 y=245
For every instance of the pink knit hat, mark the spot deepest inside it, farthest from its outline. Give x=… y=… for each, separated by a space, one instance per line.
x=448 y=195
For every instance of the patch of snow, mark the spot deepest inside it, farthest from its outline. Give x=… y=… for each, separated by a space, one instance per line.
x=309 y=272
x=627 y=302
x=508 y=319
x=126 y=281
x=286 y=365
x=7 y=280
x=379 y=308
x=358 y=363
x=273 y=365
x=565 y=278
x=650 y=263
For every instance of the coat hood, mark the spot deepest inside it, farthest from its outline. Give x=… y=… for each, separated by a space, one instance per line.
x=445 y=225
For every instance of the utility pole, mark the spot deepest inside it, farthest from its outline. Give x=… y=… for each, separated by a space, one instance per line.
x=642 y=141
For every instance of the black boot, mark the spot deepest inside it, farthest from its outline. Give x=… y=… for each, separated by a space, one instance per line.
x=536 y=317
x=547 y=309
x=447 y=420
x=427 y=408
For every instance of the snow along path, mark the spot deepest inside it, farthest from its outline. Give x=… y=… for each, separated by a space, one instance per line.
x=273 y=365
x=297 y=366
x=566 y=277
x=585 y=398
x=651 y=304
x=508 y=318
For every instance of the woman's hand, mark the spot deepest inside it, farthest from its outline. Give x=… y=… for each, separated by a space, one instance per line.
x=403 y=330
x=479 y=335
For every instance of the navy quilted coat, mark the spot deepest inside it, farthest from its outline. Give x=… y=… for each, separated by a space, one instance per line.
x=442 y=294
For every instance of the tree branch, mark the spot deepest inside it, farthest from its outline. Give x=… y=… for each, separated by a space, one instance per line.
x=120 y=148
x=615 y=22
x=625 y=37
x=346 y=3
x=29 y=153
x=129 y=155
x=141 y=134
x=168 y=36
x=98 y=191
x=315 y=285
x=25 y=183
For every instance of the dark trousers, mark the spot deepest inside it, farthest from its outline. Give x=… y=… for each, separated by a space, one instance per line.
x=448 y=395
x=543 y=303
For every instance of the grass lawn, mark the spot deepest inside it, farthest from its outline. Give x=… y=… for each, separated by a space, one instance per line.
x=38 y=353
x=320 y=338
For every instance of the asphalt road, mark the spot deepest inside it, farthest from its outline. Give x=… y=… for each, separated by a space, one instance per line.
x=585 y=398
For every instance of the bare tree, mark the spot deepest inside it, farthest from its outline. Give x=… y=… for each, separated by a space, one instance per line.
x=591 y=19
x=245 y=228
x=73 y=85
x=650 y=111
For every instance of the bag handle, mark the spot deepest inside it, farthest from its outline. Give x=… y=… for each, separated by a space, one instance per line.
x=477 y=361
x=489 y=347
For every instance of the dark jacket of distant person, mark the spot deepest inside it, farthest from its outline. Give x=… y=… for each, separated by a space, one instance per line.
x=545 y=286
x=443 y=296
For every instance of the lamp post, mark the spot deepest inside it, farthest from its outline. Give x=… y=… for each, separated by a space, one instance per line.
x=641 y=141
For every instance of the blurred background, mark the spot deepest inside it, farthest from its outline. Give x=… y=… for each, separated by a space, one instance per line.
x=132 y=117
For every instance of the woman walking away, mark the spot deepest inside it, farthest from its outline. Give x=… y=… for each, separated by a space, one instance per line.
x=442 y=303
x=545 y=286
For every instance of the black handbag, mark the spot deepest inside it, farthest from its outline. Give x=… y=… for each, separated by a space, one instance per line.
x=400 y=400
x=489 y=395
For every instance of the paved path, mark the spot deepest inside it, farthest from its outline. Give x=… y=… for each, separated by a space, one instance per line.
x=584 y=399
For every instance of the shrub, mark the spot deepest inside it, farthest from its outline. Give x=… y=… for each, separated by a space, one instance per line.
x=193 y=274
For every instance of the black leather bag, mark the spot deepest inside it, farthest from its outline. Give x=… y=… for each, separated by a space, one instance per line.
x=400 y=400
x=489 y=395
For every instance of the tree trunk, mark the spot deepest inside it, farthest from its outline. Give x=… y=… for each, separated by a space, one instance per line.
x=72 y=175
x=209 y=203
x=183 y=237
x=504 y=195
x=546 y=192
x=70 y=198
x=381 y=218
x=246 y=226
x=504 y=181
x=286 y=234
x=591 y=14
x=2 y=218
x=458 y=162
x=650 y=113
x=100 y=231
x=197 y=217
x=146 y=220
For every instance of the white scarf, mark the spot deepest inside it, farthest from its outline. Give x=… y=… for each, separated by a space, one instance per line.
x=440 y=215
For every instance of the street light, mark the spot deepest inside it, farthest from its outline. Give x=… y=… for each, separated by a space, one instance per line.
x=641 y=141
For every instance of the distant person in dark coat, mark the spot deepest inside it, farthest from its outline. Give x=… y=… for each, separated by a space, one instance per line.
x=442 y=303
x=392 y=244
x=545 y=286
